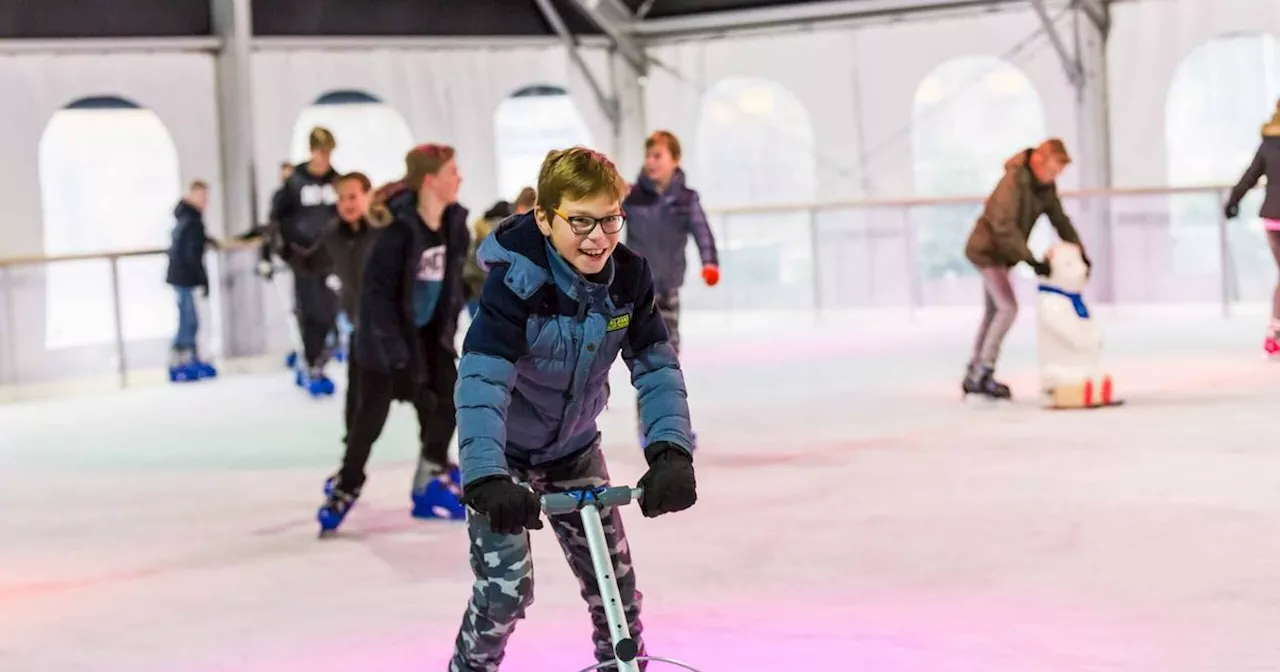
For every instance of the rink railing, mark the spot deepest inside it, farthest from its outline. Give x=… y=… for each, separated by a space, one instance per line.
x=109 y=317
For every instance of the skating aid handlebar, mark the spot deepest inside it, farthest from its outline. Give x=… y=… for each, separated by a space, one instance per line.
x=560 y=503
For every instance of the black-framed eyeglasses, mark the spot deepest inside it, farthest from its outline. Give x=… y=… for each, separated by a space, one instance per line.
x=583 y=225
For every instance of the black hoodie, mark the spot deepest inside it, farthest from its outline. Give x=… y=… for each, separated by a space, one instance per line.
x=386 y=330
x=303 y=208
x=186 y=252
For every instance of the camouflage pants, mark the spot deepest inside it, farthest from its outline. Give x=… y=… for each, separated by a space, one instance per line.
x=503 y=568
x=669 y=306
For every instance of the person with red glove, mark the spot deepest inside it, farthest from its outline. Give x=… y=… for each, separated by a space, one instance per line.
x=662 y=212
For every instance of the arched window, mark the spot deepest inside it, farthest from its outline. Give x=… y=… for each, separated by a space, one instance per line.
x=109 y=181
x=971 y=114
x=1220 y=96
x=371 y=136
x=755 y=146
x=528 y=124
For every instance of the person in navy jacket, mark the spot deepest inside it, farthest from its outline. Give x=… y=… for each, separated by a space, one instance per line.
x=186 y=274
x=562 y=300
x=411 y=293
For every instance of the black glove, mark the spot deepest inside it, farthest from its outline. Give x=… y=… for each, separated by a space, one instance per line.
x=509 y=506
x=1041 y=267
x=1232 y=210
x=204 y=291
x=669 y=485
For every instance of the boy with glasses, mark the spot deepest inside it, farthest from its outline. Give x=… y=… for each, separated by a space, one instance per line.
x=562 y=299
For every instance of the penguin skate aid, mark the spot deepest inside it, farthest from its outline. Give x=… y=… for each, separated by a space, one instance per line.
x=587 y=503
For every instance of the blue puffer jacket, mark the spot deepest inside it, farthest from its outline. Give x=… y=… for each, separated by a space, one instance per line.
x=659 y=226
x=531 y=382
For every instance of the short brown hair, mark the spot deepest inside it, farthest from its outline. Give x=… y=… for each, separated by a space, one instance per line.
x=666 y=139
x=359 y=177
x=198 y=184
x=420 y=162
x=577 y=173
x=321 y=139
x=527 y=198
x=1054 y=147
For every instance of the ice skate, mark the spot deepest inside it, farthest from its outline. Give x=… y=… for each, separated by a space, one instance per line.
x=979 y=380
x=182 y=367
x=335 y=509
x=437 y=492
x=291 y=360
x=1271 y=346
x=314 y=382
x=202 y=368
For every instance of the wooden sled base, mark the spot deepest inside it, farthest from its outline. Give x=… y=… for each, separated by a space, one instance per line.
x=1082 y=395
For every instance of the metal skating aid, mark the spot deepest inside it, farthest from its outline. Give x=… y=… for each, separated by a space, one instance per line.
x=587 y=502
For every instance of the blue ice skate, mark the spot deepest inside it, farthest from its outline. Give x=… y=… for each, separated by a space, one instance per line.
x=183 y=373
x=315 y=383
x=291 y=360
x=204 y=369
x=438 y=494
x=335 y=509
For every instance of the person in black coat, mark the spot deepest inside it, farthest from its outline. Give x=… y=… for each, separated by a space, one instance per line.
x=411 y=295
x=187 y=272
x=1266 y=162
x=301 y=210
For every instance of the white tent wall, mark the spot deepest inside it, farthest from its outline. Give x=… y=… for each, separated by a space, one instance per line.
x=445 y=95
x=450 y=94
x=820 y=69
x=178 y=87
x=1142 y=67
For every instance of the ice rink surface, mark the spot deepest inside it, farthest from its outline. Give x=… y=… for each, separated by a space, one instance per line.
x=853 y=515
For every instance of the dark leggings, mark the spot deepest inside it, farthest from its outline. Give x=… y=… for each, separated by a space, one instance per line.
x=373 y=393
x=317 y=309
x=1273 y=237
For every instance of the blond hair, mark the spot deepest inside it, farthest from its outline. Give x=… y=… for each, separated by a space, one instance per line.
x=577 y=173
x=420 y=162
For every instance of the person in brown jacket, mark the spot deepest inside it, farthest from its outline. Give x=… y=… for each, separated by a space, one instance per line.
x=999 y=242
x=1266 y=163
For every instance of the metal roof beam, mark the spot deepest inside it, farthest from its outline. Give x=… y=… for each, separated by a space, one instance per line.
x=798 y=13
x=1070 y=64
x=607 y=103
x=613 y=17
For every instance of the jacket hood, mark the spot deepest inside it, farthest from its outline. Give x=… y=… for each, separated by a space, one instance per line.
x=677 y=182
x=1017 y=160
x=518 y=242
x=514 y=237
x=185 y=210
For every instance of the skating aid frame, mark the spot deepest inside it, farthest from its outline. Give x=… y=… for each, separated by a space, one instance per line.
x=588 y=503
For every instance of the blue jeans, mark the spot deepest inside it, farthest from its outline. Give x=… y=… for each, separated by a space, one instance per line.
x=188 y=322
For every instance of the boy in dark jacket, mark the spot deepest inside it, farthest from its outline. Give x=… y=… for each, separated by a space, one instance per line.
x=410 y=298
x=186 y=274
x=1266 y=162
x=999 y=242
x=301 y=210
x=562 y=299
x=339 y=257
x=662 y=212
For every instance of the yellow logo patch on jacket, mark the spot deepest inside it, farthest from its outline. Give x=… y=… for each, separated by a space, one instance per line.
x=619 y=322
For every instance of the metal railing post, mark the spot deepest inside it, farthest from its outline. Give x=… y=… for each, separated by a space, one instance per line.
x=10 y=325
x=1224 y=254
x=122 y=365
x=817 y=270
x=915 y=300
